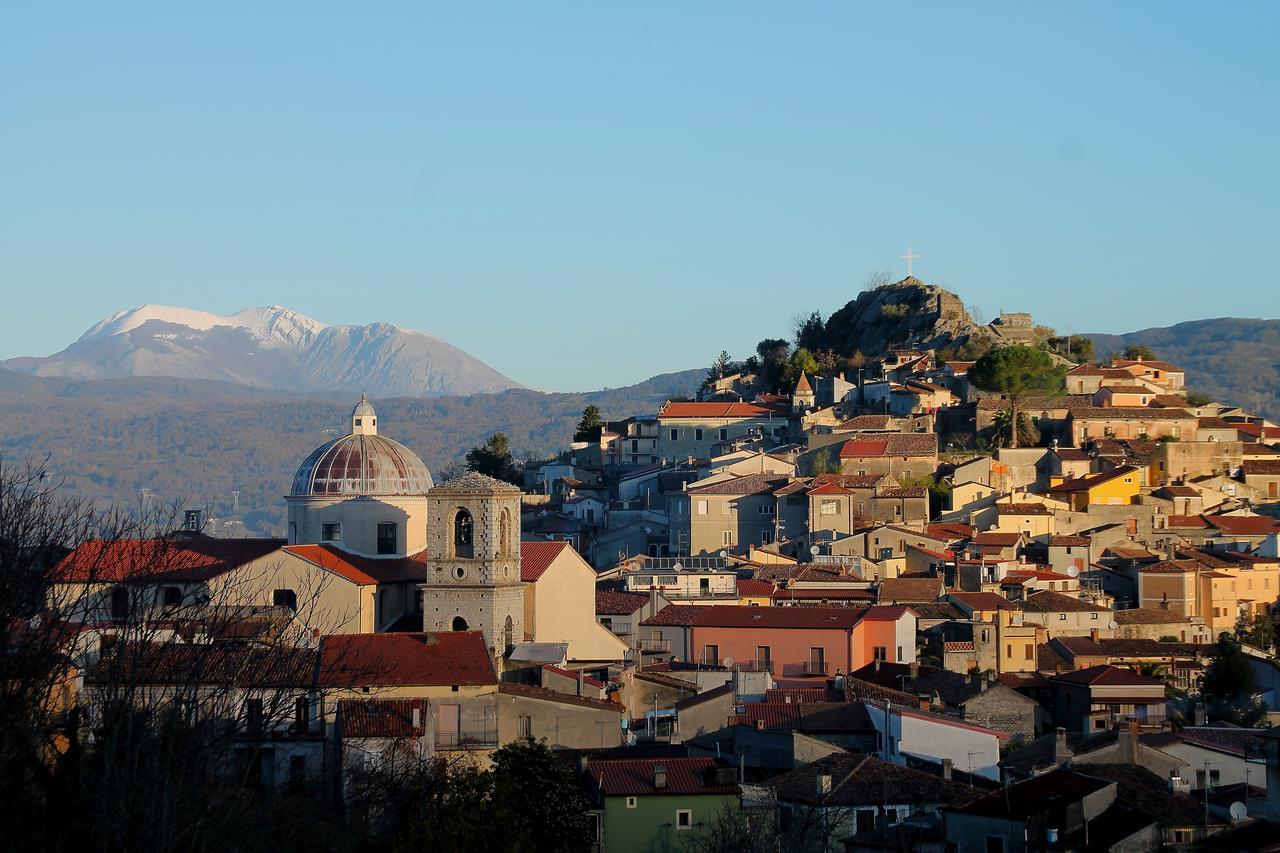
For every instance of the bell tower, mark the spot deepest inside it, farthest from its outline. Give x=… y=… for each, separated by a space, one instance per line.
x=473 y=561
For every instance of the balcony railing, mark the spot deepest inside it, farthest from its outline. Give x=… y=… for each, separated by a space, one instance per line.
x=734 y=663
x=653 y=646
x=471 y=739
x=816 y=668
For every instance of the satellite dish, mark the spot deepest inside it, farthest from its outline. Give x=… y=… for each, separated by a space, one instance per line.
x=1113 y=625
x=815 y=550
x=723 y=553
x=1073 y=572
x=727 y=662
x=1237 y=811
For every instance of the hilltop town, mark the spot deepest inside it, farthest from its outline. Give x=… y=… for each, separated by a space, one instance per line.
x=904 y=581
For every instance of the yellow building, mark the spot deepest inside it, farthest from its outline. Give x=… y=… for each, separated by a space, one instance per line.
x=1117 y=487
x=1033 y=520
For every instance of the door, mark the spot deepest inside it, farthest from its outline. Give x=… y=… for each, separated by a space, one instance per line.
x=818 y=660
x=450 y=725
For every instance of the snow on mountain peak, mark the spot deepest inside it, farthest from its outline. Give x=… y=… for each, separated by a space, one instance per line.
x=274 y=325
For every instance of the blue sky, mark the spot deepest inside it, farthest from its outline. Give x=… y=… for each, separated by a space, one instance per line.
x=585 y=195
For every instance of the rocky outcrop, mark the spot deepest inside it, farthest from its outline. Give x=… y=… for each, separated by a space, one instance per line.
x=908 y=312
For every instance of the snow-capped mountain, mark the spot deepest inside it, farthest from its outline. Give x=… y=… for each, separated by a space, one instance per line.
x=270 y=347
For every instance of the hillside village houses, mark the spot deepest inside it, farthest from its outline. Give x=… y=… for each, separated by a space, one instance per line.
x=837 y=585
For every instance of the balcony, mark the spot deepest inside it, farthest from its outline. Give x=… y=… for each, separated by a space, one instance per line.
x=470 y=739
x=653 y=646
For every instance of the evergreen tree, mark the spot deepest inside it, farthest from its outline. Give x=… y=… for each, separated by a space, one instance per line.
x=493 y=458
x=1228 y=685
x=591 y=425
x=1017 y=373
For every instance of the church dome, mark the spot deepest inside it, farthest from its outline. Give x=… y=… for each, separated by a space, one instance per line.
x=361 y=463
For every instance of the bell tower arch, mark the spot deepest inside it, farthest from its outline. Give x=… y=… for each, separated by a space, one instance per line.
x=473 y=560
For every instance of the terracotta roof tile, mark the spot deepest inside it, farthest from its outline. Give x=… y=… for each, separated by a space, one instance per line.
x=611 y=602
x=391 y=660
x=537 y=557
x=381 y=718
x=1048 y=601
x=362 y=570
x=180 y=557
x=713 y=410
x=635 y=777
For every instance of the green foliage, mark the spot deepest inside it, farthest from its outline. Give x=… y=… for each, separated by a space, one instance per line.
x=1198 y=398
x=493 y=458
x=1133 y=352
x=1169 y=638
x=774 y=355
x=530 y=794
x=1028 y=434
x=1017 y=372
x=826 y=461
x=591 y=425
x=1261 y=634
x=939 y=489
x=895 y=312
x=1228 y=685
x=1077 y=348
x=538 y=802
x=810 y=332
x=801 y=362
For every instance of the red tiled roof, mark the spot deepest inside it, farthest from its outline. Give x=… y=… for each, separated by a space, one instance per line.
x=1067 y=541
x=1081 y=484
x=712 y=410
x=1260 y=466
x=614 y=603
x=1244 y=525
x=732 y=616
x=1048 y=601
x=1187 y=521
x=829 y=489
x=950 y=530
x=891 y=444
x=754 y=588
x=1146 y=362
x=779 y=716
x=1105 y=675
x=390 y=660
x=1022 y=509
x=362 y=570
x=1000 y=540
x=382 y=718
x=909 y=589
x=177 y=558
x=537 y=557
x=586 y=679
x=855 y=449
x=824 y=594
x=749 y=484
x=635 y=777
x=982 y=600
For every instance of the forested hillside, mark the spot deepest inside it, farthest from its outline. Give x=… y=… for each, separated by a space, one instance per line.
x=1232 y=360
x=198 y=441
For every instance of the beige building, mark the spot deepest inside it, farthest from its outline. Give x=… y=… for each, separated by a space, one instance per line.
x=1063 y=615
x=730 y=515
x=691 y=430
x=560 y=604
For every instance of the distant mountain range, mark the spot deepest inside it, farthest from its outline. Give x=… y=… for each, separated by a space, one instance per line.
x=271 y=347
x=197 y=442
x=1232 y=360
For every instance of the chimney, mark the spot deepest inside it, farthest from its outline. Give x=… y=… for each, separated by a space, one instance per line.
x=1197 y=714
x=925 y=701
x=1093 y=634
x=915 y=670
x=982 y=684
x=760 y=725
x=659 y=777
x=1060 y=750
x=877 y=665
x=946 y=769
x=581 y=681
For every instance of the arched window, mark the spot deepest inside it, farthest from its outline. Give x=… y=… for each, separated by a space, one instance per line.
x=463 y=534
x=459 y=624
x=507 y=634
x=504 y=533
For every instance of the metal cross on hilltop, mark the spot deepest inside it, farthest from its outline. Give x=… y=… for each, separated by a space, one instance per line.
x=909 y=257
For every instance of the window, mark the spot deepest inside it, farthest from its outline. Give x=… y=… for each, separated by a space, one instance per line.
x=675 y=434
x=172 y=596
x=767 y=509
x=524 y=728
x=880 y=653
x=119 y=603
x=995 y=844
x=635 y=446
x=728 y=537
x=684 y=819
x=297 y=771
x=818 y=660
x=866 y=820
x=253 y=715
x=766 y=537
x=1093 y=616
x=697 y=434
x=459 y=624
x=331 y=532
x=387 y=537
x=285 y=598
x=829 y=507
x=667 y=580
x=1062 y=617
x=1008 y=650
x=301 y=714
x=631 y=802
x=1028 y=652
x=711 y=654
x=764 y=659
x=702 y=507
x=899 y=653
x=724 y=434
x=463 y=534
x=508 y=634
x=704 y=586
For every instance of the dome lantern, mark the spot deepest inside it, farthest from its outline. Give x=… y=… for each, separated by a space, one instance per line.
x=364 y=420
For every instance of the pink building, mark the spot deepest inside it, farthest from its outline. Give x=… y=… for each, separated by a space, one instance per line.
x=789 y=642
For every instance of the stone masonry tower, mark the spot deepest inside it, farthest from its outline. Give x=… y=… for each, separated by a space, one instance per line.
x=473 y=561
